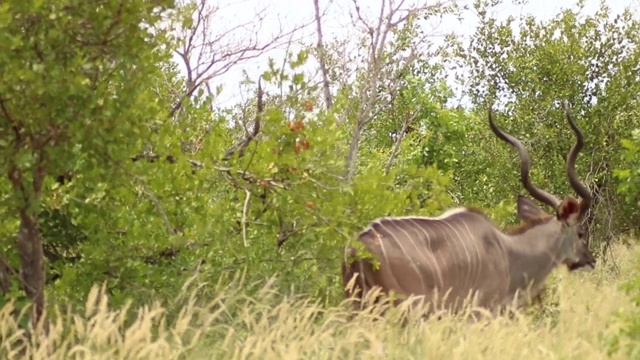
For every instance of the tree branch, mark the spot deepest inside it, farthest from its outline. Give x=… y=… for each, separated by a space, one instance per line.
x=163 y=214
x=245 y=209
x=250 y=136
x=322 y=57
x=403 y=133
x=368 y=94
x=207 y=53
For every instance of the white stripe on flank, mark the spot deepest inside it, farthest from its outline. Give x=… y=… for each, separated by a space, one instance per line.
x=409 y=258
x=436 y=267
x=463 y=244
x=474 y=239
x=426 y=252
x=384 y=253
x=445 y=228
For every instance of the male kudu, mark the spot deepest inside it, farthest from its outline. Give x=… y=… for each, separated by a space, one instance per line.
x=462 y=253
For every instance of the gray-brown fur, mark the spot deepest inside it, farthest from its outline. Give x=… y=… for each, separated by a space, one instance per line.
x=462 y=253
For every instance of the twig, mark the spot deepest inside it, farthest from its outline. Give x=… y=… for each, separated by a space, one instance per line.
x=403 y=132
x=6 y=269
x=244 y=217
x=242 y=145
x=158 y=206
x=322 y=57
x=238 y=264
x=151 y=158
x=285 y=233
x=244 y=174
x=209 y=51
x=368 y=95
x=252 y=178
x=253 y=153
x=326 y=187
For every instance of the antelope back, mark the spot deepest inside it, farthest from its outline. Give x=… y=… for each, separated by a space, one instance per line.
x=445 y=259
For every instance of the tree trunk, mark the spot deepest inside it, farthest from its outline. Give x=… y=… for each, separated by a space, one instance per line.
x=28 y=241
x=352 y=154
x=5 y=276
x=32 y=262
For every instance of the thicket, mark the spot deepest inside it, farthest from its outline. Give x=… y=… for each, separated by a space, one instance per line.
x=119 y=171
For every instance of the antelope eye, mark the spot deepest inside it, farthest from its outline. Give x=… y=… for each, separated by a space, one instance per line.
x=580 y=233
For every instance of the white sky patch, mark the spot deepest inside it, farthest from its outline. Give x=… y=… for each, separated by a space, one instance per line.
x=337 y=24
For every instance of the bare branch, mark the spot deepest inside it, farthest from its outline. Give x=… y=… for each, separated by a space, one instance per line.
x=242 y=173
x=396 y=145
x=163 y=214
x=368 y=97
x=245 y=209
x=6 y=112
x=322 y=57
x=250 y=136
x=6 y=271
x=286 y=232
x=209 y=51
x=384 y=69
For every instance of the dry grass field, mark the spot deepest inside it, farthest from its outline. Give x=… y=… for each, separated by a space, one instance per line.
x=576 y=322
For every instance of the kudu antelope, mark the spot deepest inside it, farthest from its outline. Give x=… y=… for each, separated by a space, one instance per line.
x=463 y=253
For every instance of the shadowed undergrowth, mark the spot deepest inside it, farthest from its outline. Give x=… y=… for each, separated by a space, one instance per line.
x=576 y=321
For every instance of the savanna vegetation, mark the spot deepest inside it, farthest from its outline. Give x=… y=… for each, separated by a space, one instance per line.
x=142 y=220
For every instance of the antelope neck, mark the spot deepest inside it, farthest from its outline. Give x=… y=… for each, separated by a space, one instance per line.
x=533 y=254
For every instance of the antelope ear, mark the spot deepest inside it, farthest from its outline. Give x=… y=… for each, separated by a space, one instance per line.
x=528 y=210
x=569 y=210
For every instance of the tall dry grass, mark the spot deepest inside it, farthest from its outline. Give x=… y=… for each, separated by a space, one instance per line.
x=574 y=323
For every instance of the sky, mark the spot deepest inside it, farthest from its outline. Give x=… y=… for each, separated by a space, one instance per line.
x=287 y=14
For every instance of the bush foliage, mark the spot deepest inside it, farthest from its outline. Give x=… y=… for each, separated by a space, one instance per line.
x=120 y=172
